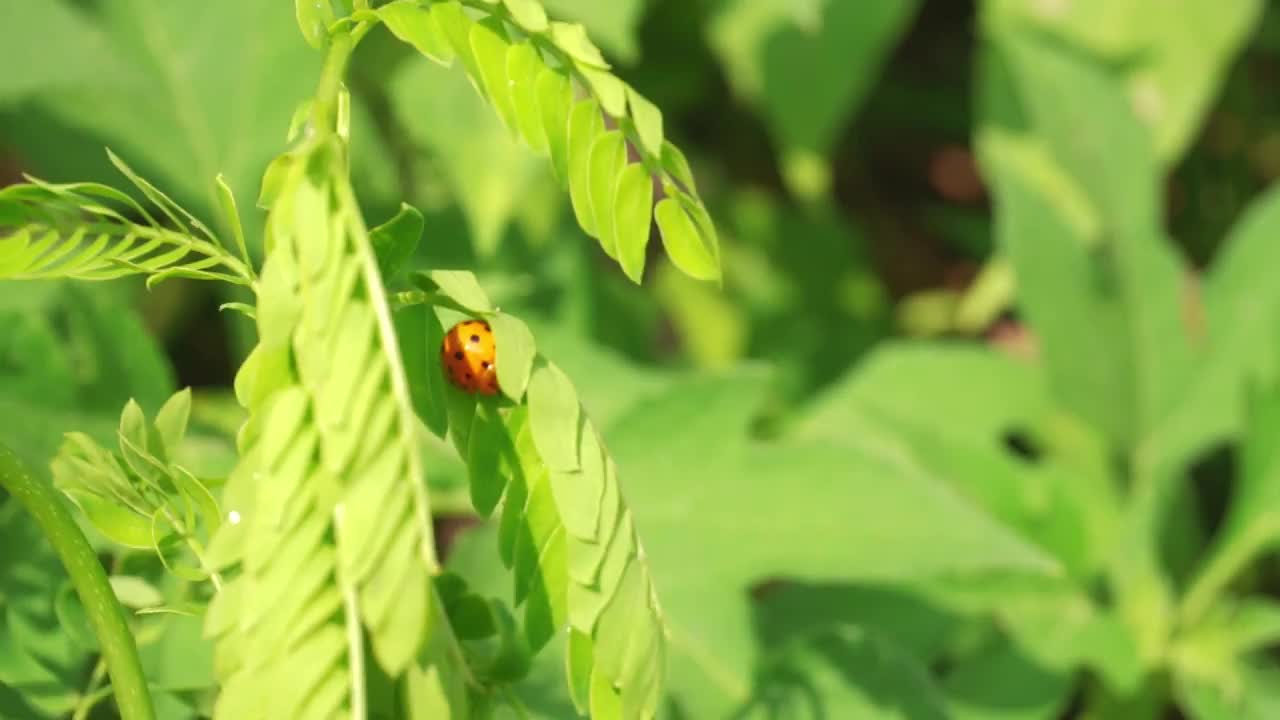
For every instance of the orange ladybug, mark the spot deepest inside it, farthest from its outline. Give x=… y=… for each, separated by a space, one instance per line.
x=468 y=354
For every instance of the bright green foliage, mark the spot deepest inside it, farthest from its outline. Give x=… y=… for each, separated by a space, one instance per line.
x=84 y=231
x=332 y=541
x=516 y=72
x=567 y=534
x=138 y=497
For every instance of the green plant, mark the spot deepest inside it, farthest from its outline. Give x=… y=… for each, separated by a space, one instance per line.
x=326 y=593
x=1037 y=517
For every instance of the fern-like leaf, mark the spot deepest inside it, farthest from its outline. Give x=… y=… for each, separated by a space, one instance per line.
x=89 y=231
x=334 y=544
x=565 y=532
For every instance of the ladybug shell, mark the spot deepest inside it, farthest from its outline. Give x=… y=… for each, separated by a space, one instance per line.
x=468 y=354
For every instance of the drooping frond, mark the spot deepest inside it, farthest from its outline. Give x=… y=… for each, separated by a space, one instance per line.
x=89 y=231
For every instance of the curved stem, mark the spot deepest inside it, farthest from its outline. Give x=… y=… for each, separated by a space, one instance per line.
x=90 y=581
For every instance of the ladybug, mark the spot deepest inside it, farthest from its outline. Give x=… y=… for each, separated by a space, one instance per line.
x=468 y=354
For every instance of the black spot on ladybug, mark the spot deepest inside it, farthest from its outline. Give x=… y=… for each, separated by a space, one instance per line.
x=457 y=355
x=486 y=325
x=475 y=338
x=485 y=364
x=468 y=376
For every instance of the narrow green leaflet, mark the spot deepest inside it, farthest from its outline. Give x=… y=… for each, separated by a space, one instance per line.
x=683 y=242
x=515 y=359
x=530 y=84
x=395 y=241
x=632 y=213
x=608 y=158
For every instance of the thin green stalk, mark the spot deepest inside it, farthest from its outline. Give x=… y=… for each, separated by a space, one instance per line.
x=90 y=581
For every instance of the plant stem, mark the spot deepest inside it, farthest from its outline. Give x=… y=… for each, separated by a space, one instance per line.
x=324 y=112
x=119 y=651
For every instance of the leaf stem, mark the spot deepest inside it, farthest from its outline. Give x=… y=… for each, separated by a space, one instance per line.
x=119 y=651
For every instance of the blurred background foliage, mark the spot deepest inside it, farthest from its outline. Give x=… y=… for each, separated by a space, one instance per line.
x=835 y=143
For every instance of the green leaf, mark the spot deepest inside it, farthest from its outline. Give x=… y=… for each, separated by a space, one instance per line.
x=608 y=158
x=615 y=24
x=1253 y=695
x=572 y=38
x=418 y=26
x=459 y=286
x=314 y=17
x=684 y=243
x=554 y=416
x=135 y=592
x=458 y=28
x=421 y=335
x=523 y=66
x=586 y=125
x=395 y=241
x=171 y=421
x=1001 y=684
x=711 y=470
x=1252 y=525
x=161 y=94
x=490 y=44
x=528 y=14
x=555 y=99
x=632 y=218
x=231 y=218
x=607 y=88
x=490 y=458
x=118 y=524
x=516 y=351
x=648 y=120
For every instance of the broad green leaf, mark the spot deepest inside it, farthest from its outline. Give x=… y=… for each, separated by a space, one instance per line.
x=962 y=430
x=554 y=95
x=1240 y=306
x=1254 y=696
x=586 y=125
x=854 y=673
x=1000 y=684
x=395 y=241
x=160 y=94
x=554 y=416
x=710 y=470
x=516 y=351
x=523 y=66
x=632 y=218
x=608 y=158
x=1181 y=56
x=683 y=243
x=490 y=44
x=1252 y=525
x=418 y=26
